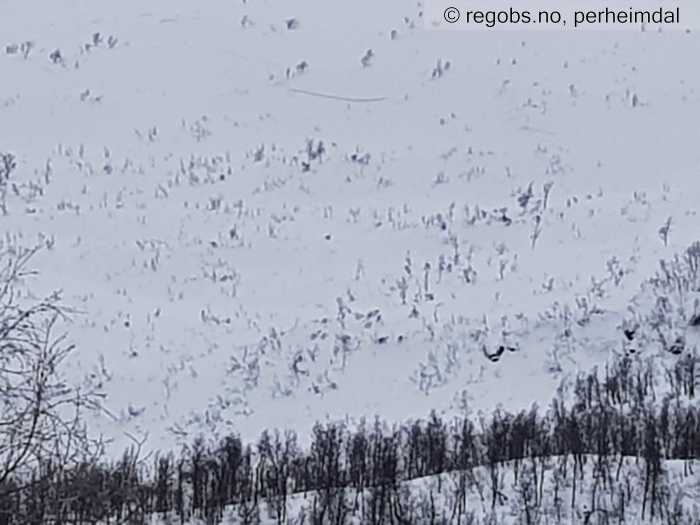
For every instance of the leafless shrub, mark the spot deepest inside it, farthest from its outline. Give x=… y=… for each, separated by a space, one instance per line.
x=8 y=164
x=40 y=413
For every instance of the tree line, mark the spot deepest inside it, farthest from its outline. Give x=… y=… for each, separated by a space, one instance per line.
x=608 y=415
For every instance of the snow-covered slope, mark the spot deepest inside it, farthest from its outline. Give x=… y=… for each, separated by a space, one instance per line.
x=261 y=229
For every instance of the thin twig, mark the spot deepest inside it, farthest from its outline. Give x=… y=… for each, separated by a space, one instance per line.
x=337 y=97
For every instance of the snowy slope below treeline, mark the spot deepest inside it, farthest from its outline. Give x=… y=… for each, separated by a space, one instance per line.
x=247 y=250
x=529 y=493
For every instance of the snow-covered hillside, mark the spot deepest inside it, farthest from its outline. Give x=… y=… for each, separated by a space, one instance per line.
x=262 y=224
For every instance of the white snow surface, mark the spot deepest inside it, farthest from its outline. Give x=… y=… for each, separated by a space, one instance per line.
x=221 y=284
